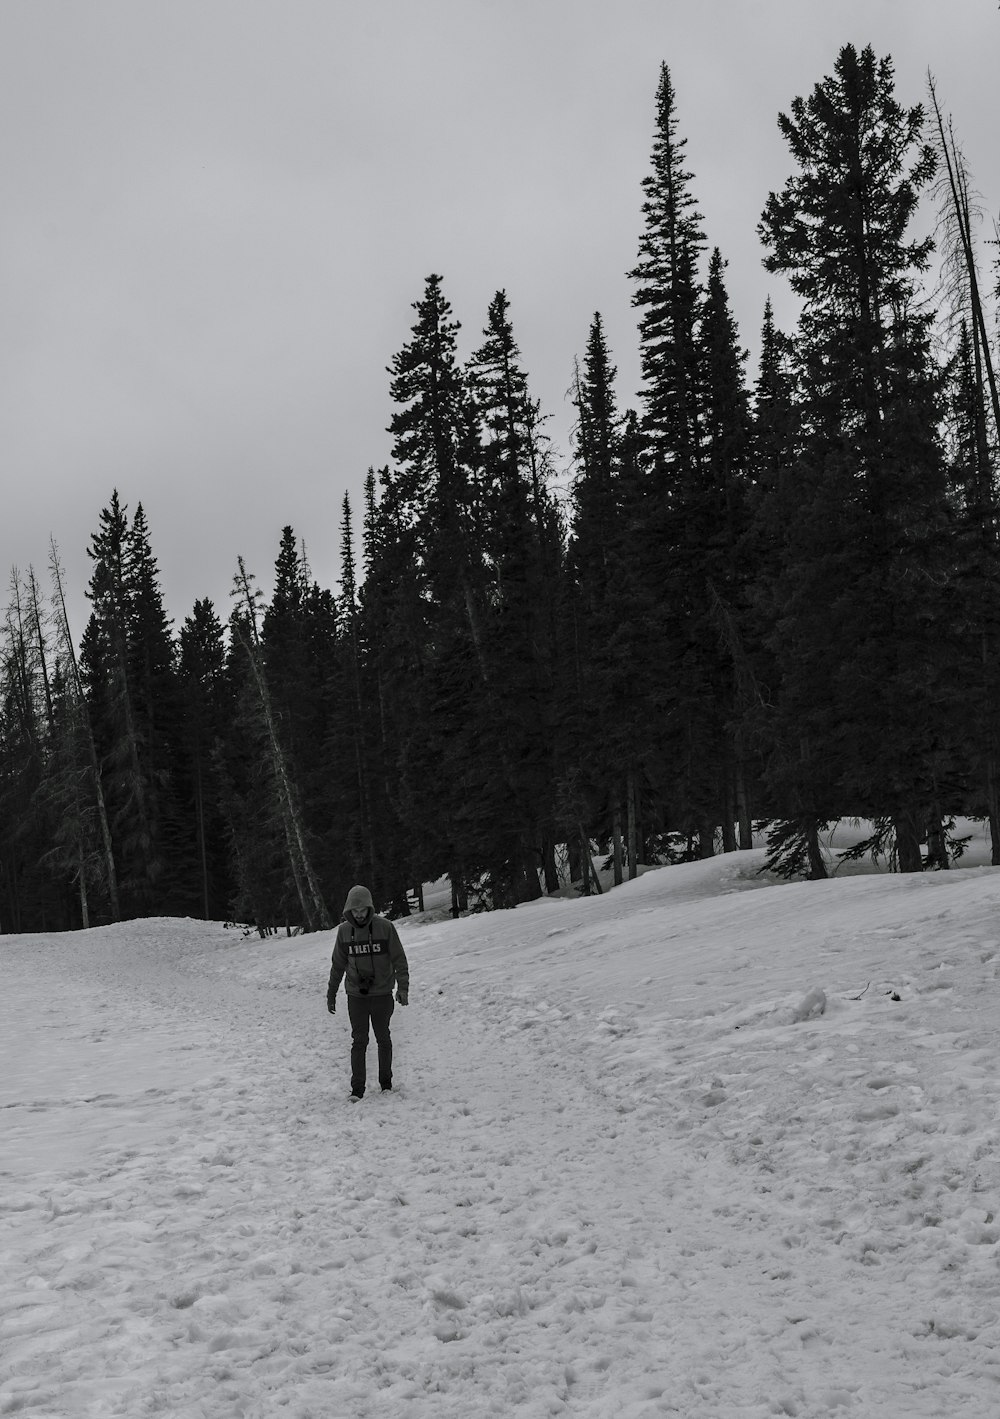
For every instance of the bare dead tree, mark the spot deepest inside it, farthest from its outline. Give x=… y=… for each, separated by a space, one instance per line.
x=65 y=641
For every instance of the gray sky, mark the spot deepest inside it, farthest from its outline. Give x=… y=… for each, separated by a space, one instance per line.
x=217 y=213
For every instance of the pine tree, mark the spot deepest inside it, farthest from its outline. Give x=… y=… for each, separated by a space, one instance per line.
x=975 y=580
x=596 y=508
x=414 y=841
x=279 y=791
x=433 y=448
x=22 y=886
x=156 y=705
x=668 y=292
x=434 y=505
x=793 y=839
x=724 y=517
x=348 y=754
x=66 y=805
x=598 y=708
x=865 y=693
x=775 y=443
x=125 y=664
x=265 y=894
x=208 y=709
x=695 y=433
x=515 y=804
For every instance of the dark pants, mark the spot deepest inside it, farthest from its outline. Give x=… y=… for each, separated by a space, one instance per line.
x=375 y=1010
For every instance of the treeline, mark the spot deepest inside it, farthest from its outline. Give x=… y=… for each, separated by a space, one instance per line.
x=772 y=604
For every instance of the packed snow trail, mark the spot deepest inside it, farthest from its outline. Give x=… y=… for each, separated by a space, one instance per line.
x=616 y=1177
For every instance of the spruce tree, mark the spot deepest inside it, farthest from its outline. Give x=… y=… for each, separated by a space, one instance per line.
x=66 y=805
x=865 y=697
x=126 y=665
x=435 y=493
x=596 y=507
x=298 y=636
x=156 y=703
x=413 y=839
x=24 y=888
x=208 y=707
x=722 y=512
x=975 y=593
x=524 y=546
x=668 y=293
x=434 y=452
x=694 y=426
x=348 y=750
x=598 y=707
x=793 y=836
x=275 y=845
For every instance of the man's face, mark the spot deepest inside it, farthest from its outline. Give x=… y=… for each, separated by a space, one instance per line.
x=361 y=916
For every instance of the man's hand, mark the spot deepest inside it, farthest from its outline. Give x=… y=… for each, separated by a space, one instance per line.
x=331 y=1004
x=403 y=996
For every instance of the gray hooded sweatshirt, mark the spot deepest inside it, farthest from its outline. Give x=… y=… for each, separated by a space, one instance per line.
x=367 y=951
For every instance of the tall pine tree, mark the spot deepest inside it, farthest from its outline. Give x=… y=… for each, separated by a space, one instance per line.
x=126 y=662
x=866 y=694
x=695 y=429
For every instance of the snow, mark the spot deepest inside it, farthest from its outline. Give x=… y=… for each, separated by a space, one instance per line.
x=705 y=1145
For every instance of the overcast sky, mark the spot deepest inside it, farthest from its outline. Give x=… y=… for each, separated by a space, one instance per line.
x=216 y=215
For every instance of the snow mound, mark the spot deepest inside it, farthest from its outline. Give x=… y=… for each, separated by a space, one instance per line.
x=813 y=1003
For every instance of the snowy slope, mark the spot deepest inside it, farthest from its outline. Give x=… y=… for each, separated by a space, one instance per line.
x=628 y=1170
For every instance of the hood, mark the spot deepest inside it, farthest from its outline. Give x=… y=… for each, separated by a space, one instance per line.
x=359 y=900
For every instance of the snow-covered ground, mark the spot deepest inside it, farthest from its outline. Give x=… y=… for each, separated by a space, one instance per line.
x=630 y=1169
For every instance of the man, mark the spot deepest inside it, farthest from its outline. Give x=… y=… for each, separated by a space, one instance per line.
x=369 y=953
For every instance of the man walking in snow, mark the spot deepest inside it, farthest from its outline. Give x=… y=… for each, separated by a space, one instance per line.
x=369 y=953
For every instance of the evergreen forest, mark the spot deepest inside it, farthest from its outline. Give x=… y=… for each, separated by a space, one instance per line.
x=734 y=606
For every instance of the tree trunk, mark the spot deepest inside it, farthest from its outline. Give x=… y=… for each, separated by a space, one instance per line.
x=589 y=870
x=573 y=859
x=937 y=843
x=531 y=888
x=908 y=856
x=743 y=813
x=84 y=905
x=459 y=896
x=633 y=837
x=296 y=868
x=95 y=768
x=616 y=837
x=993 y=802
x=549 y=868
x=817 y=863
x=199 y=821
x=992 y=782
x=729 y=827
